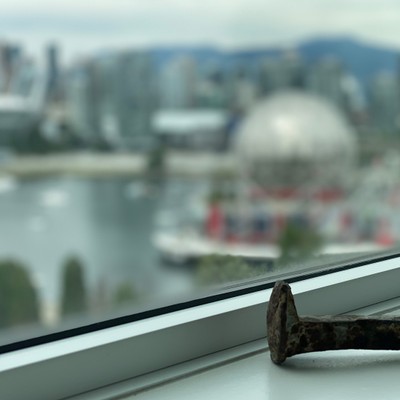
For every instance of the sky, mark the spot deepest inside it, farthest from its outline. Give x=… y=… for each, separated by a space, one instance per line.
x=87 y=26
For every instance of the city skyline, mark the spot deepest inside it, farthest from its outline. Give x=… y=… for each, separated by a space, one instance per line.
x=82 y=28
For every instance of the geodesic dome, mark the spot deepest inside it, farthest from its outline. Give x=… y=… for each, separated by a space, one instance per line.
x=292 y=137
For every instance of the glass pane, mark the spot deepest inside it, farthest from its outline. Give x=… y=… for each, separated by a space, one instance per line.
x=153 y=150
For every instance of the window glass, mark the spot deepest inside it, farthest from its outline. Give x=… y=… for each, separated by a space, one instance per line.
x=155 y=149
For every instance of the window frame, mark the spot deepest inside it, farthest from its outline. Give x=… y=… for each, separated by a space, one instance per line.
x=92 y=360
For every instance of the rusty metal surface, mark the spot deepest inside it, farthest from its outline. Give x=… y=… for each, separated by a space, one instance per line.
x=288 y=334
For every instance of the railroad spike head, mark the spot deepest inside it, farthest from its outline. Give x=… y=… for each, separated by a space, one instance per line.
x=281 y=317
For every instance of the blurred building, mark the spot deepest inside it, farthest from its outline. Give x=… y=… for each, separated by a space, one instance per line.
x=294 y=138
x=385 y=102
x=135 y=97
x=111 y=100
x=240 y=88
x=18 y=117
x=245 y=94
x=10 y=56
x=82 y=101
x=22 y=88
x=178 y=83
x=212 y=88
x=198 y=129
x=53 y=72
x=24 y=77
x=287 y=71
x=107 y=84
x=326 y=78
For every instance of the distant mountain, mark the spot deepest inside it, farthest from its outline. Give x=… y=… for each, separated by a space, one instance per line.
x=207 y=55
x=201 y=54
x=361 y=59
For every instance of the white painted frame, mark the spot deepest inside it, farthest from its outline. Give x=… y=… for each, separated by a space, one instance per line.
x=87 y=362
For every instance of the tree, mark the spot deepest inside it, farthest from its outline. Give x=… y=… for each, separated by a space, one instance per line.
x=219 y=269
x=73 y=298
x=124 y=294
x=298 y=243
x=19 y=302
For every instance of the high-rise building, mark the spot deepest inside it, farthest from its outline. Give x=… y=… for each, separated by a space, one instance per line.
x=82 y=101
x=107 y=98
x=385 y=102
x=24 y=78
x=245 y=94
x=240 y=87
x=111 y=99
x=10 y=56
x=178 y=84
x=326 y=79
x=211 y=88
x=53 y=72
x=283 y=72
x=135 y=98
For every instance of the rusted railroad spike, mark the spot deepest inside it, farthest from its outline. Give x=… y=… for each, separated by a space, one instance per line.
x=288 y=334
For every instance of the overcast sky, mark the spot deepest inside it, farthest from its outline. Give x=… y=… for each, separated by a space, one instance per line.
x=82 y=26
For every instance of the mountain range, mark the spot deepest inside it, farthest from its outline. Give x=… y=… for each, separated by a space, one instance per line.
x=361 y=59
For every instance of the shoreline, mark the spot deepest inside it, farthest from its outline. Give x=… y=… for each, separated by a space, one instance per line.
x=107 y=165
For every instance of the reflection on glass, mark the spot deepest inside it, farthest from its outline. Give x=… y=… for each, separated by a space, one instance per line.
x=150 y=150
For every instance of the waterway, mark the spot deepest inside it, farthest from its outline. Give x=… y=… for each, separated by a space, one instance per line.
x=107 y=223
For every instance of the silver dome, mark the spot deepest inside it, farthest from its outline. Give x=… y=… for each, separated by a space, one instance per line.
x=302 y=133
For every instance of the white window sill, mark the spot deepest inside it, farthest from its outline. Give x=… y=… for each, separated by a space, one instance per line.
x=345 y=375
x=247 y=372
x=133 y=352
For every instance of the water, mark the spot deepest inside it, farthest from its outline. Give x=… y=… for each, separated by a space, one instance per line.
x=107 y=223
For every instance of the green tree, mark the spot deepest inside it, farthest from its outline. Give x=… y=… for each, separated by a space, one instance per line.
x=298 y=243
x=19 y=302
x=218 y=269
x=124 y=294
x=73 y=298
